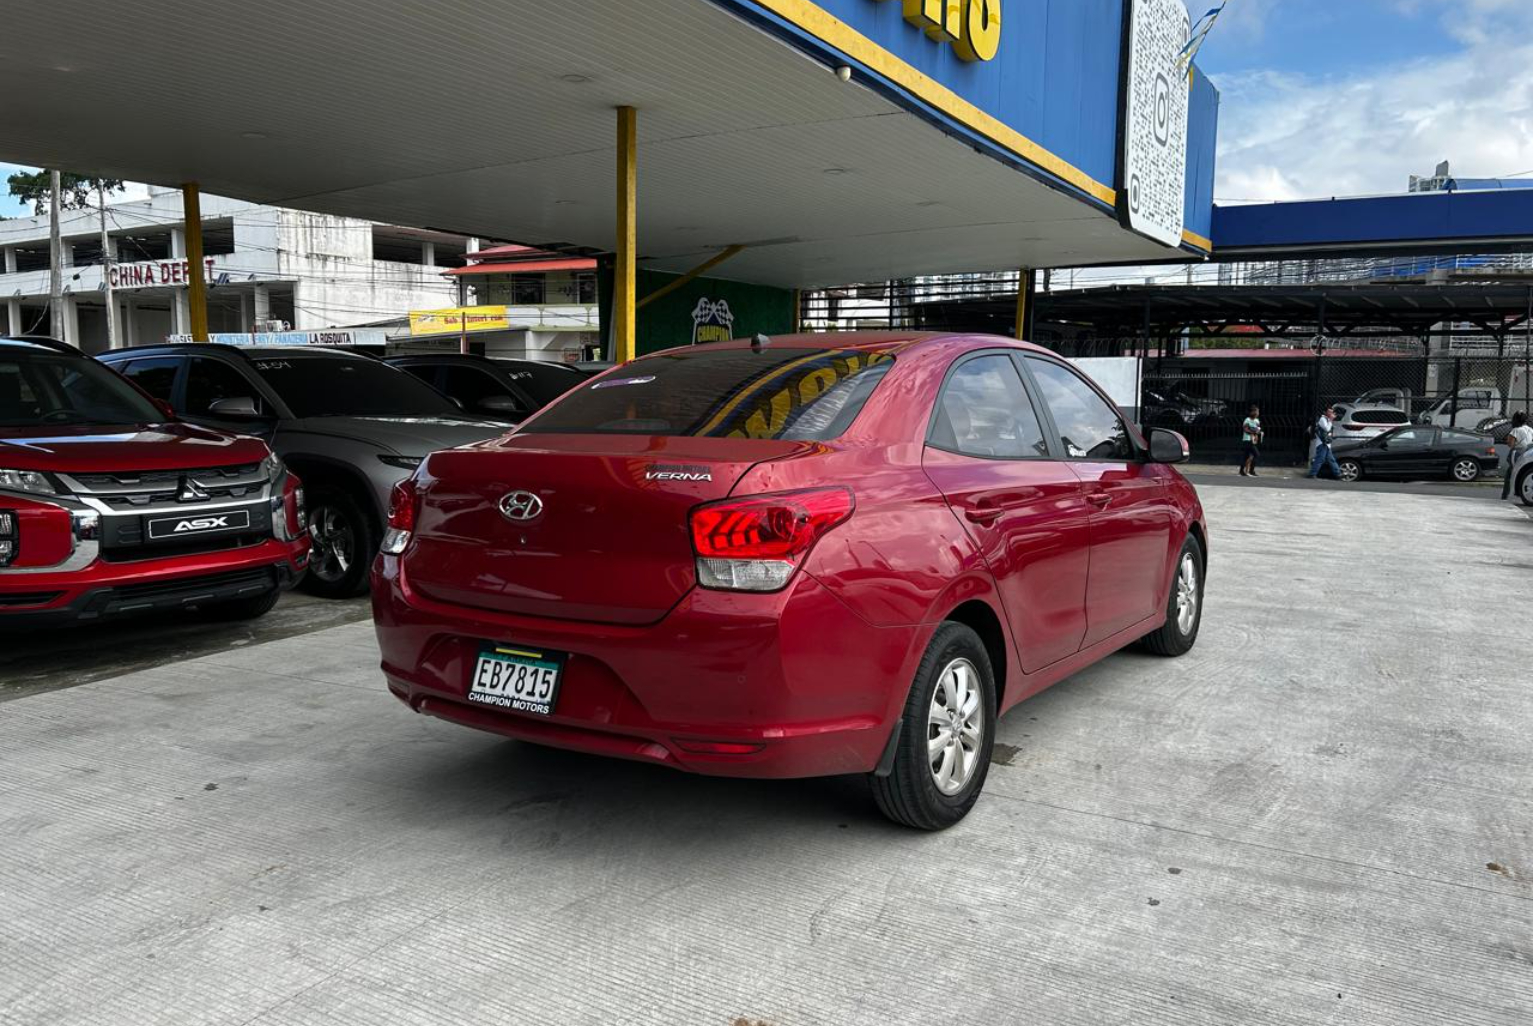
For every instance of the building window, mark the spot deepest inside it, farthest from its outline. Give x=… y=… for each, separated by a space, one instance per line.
x=585 y=287
x=527 y=289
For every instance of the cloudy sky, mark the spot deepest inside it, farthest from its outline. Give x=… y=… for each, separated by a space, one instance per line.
x=1351 y=97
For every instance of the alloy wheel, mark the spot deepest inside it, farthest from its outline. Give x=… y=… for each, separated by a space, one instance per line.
x=1466 y=470
x=1349 y=471
x=334 y=543
x=1187 y=593
x=955 y=727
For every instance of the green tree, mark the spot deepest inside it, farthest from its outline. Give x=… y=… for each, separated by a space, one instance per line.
x=77 y=190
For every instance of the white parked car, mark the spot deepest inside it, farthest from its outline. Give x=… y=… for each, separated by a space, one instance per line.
x=1360 y=422
x=1522 y=477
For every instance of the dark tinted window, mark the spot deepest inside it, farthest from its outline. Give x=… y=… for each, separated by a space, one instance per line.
x=1464 y=438
x=1089 y=428
x=471 y=386
x=208 y=381
x=543 y=382
x=1410 y=436
x=327 y=386
x=985 y=411
x=155 y=376
x=38 y=388
x=730 y=393
x=1379 y=417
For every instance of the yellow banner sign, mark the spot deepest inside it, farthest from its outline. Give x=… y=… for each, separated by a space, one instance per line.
x=459 y=319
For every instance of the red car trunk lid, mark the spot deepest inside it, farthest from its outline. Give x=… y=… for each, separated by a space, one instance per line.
x=607 y=538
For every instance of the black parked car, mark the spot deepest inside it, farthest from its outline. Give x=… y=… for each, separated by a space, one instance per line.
x=506 y=390
x=1418 y=452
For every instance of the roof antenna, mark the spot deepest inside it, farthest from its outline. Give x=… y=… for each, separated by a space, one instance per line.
x=760 y=342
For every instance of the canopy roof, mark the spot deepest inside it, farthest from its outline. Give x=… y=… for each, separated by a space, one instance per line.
x=383 y=109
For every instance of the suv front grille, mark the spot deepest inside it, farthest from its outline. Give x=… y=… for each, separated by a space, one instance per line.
x=129 y=492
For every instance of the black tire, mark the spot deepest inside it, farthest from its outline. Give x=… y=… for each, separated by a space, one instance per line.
x=910 y=795
x=344 y=545
x=1344 y=474
x=243 y=609
x=1172 y=638
x=1464 y=470
x=1524 y=486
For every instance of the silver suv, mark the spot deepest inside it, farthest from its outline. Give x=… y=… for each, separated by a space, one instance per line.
x=348 y=426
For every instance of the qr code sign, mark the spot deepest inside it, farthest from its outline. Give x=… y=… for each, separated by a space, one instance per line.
x=1155 y=121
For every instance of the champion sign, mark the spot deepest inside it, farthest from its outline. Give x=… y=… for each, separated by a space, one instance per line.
x=156 y=274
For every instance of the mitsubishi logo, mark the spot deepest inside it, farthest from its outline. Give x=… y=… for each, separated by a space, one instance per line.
x=191 y=492
x=520 y=506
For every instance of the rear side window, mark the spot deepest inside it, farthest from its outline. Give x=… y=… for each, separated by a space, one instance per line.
x=811 y=394
x=985 y=412
x=1380 y=417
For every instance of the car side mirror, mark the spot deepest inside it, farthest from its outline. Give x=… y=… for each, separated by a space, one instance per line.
x=1167 y=446
x=165 y=408
x=240 y=407
x=502 y=405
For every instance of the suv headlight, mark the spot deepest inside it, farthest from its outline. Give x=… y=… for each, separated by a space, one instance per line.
x=26 y=481
x=273 y=469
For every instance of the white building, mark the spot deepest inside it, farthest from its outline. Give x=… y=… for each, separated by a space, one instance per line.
x=264 y=265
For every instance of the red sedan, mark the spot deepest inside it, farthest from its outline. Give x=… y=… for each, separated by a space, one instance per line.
x=799 y=556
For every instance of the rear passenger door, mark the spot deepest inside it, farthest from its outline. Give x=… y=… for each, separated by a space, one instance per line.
x=988 y=454
x=1131 y=510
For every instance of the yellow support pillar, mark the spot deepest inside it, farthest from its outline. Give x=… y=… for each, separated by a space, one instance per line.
x=197 y=288
x=624 y=278
x=1024 y=297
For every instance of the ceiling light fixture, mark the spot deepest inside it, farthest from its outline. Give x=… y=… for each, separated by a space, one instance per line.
x=575 y=79
x=836 y=171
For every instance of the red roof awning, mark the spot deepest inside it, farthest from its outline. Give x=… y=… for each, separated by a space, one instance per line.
x=526 y=267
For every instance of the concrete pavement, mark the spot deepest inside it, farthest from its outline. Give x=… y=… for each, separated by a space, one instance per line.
x=1323 y=814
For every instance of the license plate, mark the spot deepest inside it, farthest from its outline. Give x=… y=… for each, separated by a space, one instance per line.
x=198 y=523
x=520 y=679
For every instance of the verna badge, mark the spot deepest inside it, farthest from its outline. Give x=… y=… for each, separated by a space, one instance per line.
x=520 y=506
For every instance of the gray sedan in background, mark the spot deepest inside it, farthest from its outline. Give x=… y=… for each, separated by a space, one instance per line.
x=348 y=426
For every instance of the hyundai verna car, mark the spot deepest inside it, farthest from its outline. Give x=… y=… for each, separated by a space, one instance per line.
x=801 y=556
x=108 y=506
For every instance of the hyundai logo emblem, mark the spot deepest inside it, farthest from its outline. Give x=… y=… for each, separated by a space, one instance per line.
x=520 y=505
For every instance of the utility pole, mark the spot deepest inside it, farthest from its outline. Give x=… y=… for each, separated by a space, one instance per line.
x=55 y=260
x=106 y=269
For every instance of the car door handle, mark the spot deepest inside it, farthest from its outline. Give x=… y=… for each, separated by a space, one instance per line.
x=1101 y=500
x=984 y=514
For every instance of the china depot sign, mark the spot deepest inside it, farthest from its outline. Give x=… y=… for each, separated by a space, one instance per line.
x=156 y=274
x=972 y=26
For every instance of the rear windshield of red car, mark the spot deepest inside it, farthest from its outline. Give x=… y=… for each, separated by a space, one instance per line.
x=790 y=394
x=39 y=388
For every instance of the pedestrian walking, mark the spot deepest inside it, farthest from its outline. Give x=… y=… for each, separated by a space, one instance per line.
x=1251 y=436
x=1324 y=458
x=1518 y=441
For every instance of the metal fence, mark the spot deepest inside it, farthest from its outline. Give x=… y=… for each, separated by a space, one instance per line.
x=1207 y=399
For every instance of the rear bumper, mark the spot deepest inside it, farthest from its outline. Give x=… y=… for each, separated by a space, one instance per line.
x=105 y=590
x=808 y=687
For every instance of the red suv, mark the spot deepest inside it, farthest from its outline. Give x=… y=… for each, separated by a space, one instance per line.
x=108 y=507
x=792 y=557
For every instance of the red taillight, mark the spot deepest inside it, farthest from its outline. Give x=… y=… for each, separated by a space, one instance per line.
x=404 y=501
x=754 y=543
x=402 y=505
